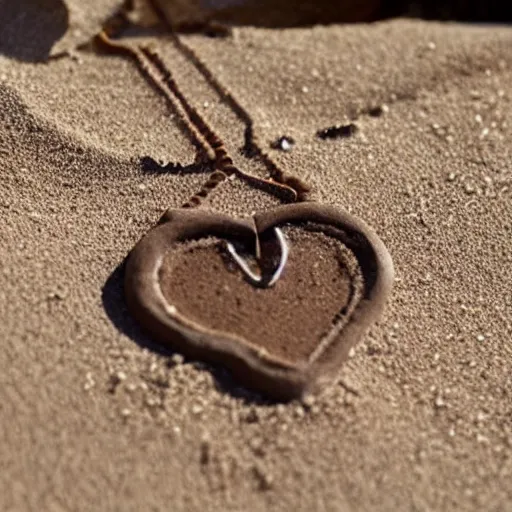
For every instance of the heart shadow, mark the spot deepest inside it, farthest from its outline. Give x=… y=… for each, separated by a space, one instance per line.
x=114 y=304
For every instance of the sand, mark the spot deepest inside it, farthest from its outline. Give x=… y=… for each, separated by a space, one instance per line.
x=285 y=320
x=95 y=416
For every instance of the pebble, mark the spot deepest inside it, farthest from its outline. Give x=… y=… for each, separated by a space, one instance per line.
x=484 y=133
x=308 y=401
x=469 y=189
x=482 y=439
x=90 y=383
x=177 y=359
x=197 y=409
x=119 y=376
x=299 y=412
x=284 y=143
x=439 y=402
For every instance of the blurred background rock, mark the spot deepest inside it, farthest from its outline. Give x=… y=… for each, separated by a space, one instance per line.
x=31 y=30
x=290 y=13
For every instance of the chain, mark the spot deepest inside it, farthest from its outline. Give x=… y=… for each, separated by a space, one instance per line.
x=252 y=147
x=209 y=146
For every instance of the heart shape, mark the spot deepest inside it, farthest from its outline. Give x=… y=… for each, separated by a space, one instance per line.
x=289 y=337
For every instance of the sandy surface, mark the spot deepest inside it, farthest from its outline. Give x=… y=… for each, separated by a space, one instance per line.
x=93 y=417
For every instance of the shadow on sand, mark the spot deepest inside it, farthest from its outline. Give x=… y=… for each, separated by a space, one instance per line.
x=115 y=306
x=30 y=28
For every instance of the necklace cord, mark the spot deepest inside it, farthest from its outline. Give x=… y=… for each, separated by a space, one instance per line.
x=209 y=146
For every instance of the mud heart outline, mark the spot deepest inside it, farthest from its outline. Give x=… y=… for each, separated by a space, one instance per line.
x=253 y=367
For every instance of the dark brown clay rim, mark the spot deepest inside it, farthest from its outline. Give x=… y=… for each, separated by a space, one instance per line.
x=252 y=367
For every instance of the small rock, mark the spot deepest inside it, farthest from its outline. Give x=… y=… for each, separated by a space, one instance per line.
x=338 y=131
x=299 y=412
x=482 y=439
x=469 y=189
x=284 y=143
x=177 y=359
x=308 y=401
x=378 y=110
x=115 y=379
x=197 y=409
x=252 y=416
x=439 y=402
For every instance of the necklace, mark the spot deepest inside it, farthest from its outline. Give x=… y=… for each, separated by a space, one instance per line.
x=293 y=247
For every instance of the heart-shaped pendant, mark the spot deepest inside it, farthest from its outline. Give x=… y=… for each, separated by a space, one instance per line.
x=187 y=283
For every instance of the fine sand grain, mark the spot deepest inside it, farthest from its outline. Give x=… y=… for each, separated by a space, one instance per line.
x=94 y=416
